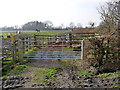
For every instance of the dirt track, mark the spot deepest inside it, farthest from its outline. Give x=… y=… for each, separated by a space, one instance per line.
x=65 y=77
x=51 y=56
x=45 y=55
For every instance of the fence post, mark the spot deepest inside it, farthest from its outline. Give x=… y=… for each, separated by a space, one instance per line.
x=27 y=46
x=35 y=43
x=20 y=51
x=15 y=52
x=13 y=47
x=29 y=42
x=82 y=49
x=70 y=39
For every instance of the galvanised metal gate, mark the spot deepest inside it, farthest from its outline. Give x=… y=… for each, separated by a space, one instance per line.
x=53 y=47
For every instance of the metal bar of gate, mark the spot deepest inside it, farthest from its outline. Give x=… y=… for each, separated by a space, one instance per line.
x=48 y=45
x=49 y=56
x=52 y=58
x=52 y=41
x=60 y=41
x=53 y=50
x=57 y=54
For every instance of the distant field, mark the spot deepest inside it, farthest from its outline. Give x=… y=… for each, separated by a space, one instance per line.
x=42 y=32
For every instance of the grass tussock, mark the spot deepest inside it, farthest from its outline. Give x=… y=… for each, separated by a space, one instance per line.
x=17 y=70
x=84 y=73
x=104 y=75
x=43 y=75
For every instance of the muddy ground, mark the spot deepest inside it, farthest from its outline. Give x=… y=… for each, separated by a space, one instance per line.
x=66 y=77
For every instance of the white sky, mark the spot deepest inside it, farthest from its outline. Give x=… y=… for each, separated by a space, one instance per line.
x=18 y=12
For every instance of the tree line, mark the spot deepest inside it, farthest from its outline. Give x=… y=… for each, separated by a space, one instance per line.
x=47 y=25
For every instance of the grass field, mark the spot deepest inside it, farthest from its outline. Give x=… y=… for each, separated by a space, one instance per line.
x=42 y=32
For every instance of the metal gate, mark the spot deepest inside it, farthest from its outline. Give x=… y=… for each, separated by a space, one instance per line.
x=53 y=47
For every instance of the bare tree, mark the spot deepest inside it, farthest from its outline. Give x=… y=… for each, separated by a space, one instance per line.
x=61 y=26
x=48 y=24
x=109 y=15
x=72 y=25
x=110 y=22
x=79 y=25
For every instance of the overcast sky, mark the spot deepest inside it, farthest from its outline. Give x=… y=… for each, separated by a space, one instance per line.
x=18 y=12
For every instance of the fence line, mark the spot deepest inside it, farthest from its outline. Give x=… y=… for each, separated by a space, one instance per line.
x=23 y=44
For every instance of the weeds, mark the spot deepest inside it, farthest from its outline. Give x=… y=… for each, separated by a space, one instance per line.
x=17 y=70
x=44 y=75
x=30 y=53
x=82 y=73
x=49 y=74
x=7 y=66
x=104 y=75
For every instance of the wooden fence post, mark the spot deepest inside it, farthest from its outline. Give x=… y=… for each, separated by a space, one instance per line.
x=70 y=39
x=15 y=52
x=13 y=48
x=35 y=43
x=20 y=51
x=85 y=46
x=28 y=42
x=82 y=49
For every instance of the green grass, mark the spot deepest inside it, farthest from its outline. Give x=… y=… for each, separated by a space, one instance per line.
x=104 y=75
x=7 y=33
x=47 y=32
x=42 y=32
x=38 y=74
x=117 y=72
x=69 y=62
x=119 y=85
x=66 y=63
x=30 y=53
x=43 y=75
x=7 y=66
x=82 y=73
x=10 y=58
x=49 y=74
x=17 y=70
